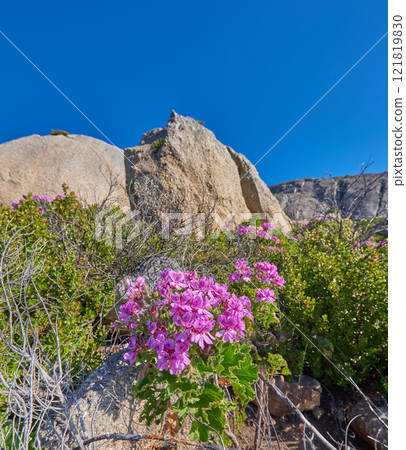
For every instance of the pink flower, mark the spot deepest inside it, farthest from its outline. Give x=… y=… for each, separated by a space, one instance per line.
x=244 y=230
x=129 y=311
x=266 y=295
x=136 y=345
x=135 y=290
x=231 y=327
x=180 y=305
x=242 y=273
x=173 y=353
x=239 y=307
x=268 y=226
x=263 y=234
x=200 y=332
x=267 y=273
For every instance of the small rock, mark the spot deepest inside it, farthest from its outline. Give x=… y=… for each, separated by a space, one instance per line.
x=304 y=393
x=318 y=412
x=368 y=426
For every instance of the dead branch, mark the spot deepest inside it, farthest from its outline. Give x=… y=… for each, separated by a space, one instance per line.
x=297 y=411
x=134 y=438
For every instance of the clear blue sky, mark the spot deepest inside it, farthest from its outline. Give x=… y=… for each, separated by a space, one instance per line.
x=249 y=69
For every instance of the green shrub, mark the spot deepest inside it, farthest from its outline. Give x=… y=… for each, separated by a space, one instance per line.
x=59 y=132
x=156 y=145
x=336 y=294
x=56 y=239
x=333 y=305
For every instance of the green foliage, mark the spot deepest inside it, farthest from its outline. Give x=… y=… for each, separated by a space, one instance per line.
x=60 y=245
x=59 y=132
x=336 y=294
x=157 y=144
x=11 y=438
x=200 y=122
x=330 y=320
x=196 y=392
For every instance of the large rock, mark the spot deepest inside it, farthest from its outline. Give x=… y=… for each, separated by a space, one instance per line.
x=91 y=168
x=304 y=392
x=355 y=197
x=184 y=168
x=103 y=404
x=256 y=192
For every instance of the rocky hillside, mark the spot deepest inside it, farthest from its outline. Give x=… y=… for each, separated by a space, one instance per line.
x=179 y=168
x=356 y=197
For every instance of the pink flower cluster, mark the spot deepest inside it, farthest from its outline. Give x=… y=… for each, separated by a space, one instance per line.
x=266 y=295
x=198 y=311
x=275 y=249
x=38 y=198
x=245 y=230
x=370 y=243
x=268 y=273
x=252 y=231
x=264 y=272
x=242 y=273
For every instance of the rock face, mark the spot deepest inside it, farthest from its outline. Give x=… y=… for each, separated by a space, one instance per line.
x=184 y=168
x=304 y=392
x=91 y=168
x=356 y=197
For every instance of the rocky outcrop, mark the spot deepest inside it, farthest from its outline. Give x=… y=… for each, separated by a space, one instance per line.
x=91 y=168
x=179 y=168
x=355 y=197
x=184 y=168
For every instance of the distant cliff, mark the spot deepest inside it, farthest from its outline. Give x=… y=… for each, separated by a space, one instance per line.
x=356 y=197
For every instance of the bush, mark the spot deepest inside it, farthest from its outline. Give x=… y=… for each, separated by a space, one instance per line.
x=334 y=302
x=336 y=294
x=59 y=132
x=156 y=145
x=195 y=327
